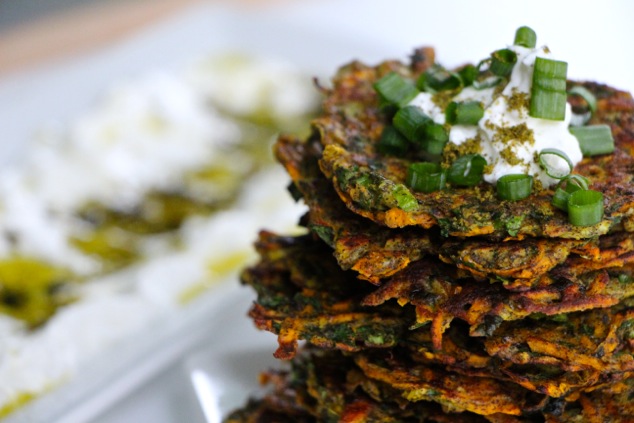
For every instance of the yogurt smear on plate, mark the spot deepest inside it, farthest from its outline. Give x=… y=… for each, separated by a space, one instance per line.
x=149 y=134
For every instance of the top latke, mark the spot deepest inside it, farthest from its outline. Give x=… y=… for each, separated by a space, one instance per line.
x=373 y=185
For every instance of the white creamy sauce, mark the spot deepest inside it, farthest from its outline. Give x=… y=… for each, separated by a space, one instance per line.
x=244 y=85
x=144 y=136
x=29 y=228
x=498 y=115
x=461 y=133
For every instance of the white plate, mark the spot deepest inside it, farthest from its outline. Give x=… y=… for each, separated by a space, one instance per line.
x=201 y=363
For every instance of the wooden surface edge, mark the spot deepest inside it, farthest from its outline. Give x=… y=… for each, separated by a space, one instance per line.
x=87 y=28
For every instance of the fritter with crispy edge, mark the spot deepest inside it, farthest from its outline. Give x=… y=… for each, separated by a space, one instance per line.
x=329 y=387
x=324 y=309
x=455 y=392
x=493 y=398
x=372 y=184
x=303 y=294
x=376 y=252
x=520 y=265
x=372 y=250
x=601 y=341
x=439 y=298
x=468 y=356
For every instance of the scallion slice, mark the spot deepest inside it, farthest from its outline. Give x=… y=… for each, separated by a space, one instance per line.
x=560 y=198
x=468 y=74
x=585 y=207
x=548 y=93
x=436 y=132
x=514 y=186
x=584 y=93
x=487 y=83
x=437 y=78
x=580 y=181
x=549 y=158
x=392 y=142
x=394 y=90
x=467 y=170
x=525 y=37
x=436 y=136
x=502 y=62
x=425 y=177
x=467 y=113
x=594 y=140
x=411 y=122
x=404 y=198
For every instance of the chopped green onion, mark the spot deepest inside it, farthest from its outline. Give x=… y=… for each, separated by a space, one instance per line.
x=514 y=186
x=502 y=62
x=585 y=207
x=425 y=177
x=548 y=93
x=525 y=37
x=548 y=160
x=567 y=186
x=437 y=78
x=392 y=142
x=584 y=93
x=484 y=64
x=404 y=198
x=436 y=137
x=467 y=170
x=580 y=181
x=433 y=142
x=594 y=140
x=560 y=198
x=467 y=113
x=468 y=74
x=487 y=83
x=411 y=122
x=436 y=132
x=394 y=90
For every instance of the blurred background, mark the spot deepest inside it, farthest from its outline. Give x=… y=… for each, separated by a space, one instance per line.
x=40 y=37
x=18 y=12
x=36 y=31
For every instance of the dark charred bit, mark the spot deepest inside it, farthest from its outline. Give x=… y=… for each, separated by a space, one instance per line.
x=422 y=59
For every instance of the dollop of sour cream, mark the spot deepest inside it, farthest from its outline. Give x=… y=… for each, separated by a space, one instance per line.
x=510 y=140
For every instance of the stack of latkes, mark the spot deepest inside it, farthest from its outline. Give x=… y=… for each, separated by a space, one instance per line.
x=460 y=308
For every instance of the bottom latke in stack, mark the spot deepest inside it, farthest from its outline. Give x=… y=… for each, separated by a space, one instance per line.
x=367 y=362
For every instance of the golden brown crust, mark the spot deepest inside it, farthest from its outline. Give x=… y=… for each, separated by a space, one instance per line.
x=369 y=182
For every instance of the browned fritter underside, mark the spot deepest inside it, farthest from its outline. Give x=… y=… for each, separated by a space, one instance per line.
x=326 y=386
